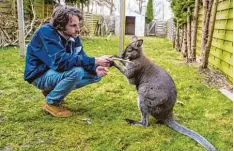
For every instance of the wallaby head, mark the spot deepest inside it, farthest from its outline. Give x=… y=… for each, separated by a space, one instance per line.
x=133 y=50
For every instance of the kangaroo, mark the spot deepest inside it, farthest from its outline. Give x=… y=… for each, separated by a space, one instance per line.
x=156 y=90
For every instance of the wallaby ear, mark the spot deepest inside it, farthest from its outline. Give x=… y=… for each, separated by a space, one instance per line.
x=134 y=38
x=139 y=42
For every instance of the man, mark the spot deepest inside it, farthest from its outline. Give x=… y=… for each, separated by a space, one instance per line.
x=56 y=62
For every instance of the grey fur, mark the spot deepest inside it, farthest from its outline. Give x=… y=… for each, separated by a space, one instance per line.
x=156 y=91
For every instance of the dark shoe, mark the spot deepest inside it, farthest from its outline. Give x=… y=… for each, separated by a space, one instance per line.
x=46 y=92
x=56 y=110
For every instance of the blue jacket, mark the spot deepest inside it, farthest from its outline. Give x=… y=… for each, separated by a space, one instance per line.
x=49 y=50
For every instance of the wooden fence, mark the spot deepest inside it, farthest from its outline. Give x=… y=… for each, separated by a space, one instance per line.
x=221 y=53
x=42 y=11
x=91 y=22
x=156 y=28
x=8 y=7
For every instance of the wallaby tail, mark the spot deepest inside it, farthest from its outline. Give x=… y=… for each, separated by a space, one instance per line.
x=170 y=122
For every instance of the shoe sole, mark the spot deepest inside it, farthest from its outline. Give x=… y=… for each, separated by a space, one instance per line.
x=48 y=112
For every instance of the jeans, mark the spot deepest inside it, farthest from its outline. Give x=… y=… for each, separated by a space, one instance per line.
x=62 y=83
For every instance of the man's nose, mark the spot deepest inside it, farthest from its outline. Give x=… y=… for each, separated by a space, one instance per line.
x=78 y=29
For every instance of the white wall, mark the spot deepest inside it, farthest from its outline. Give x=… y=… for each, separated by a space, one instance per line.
x=140 y=26
x=162 y=9
x=132 y=9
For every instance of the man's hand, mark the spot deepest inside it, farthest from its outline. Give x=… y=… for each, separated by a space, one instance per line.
x=101 y=71
x=103 y=61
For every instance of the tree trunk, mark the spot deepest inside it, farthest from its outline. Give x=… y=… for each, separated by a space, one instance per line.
x=173 y=42
x=188 y=35
x=184 y=44
x=181 y=38
x=204 y=25
x=177 y=39
x=207 y=5
x=194 y=31
x=205 y=57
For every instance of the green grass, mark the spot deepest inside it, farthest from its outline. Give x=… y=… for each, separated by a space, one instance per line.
x=23 y=126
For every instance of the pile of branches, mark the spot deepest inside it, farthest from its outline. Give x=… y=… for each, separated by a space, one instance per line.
x=8 y=30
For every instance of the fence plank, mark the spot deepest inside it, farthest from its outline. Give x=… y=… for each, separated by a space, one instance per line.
x=224 y=15
x=223 y=45
x=222 y=55
x=221 y=65
x=227 y=37
x=91 y=22
x=4 y=10
x=5 y=5
x=223 y=24
x=224 y=5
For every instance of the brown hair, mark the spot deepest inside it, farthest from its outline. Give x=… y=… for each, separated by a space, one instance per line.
x=62 y=14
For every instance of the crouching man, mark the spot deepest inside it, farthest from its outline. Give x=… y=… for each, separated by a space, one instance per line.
x=56 y=62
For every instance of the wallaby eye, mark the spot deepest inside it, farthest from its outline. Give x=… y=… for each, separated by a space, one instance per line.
x=129 y=49
x=134 y=49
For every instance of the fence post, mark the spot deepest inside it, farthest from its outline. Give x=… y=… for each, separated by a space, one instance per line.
x=122 y=26
x=20 y=9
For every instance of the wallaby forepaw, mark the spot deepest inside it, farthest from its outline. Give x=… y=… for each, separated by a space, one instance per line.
x=112 y=63
x=116 y=56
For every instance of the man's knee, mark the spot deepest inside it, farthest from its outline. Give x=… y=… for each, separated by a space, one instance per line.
x=77 y=73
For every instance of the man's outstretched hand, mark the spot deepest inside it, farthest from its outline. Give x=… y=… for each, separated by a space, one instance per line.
x=101 y=71
x=103 y=61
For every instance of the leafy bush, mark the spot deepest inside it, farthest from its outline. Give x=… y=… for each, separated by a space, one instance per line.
x=149 y=12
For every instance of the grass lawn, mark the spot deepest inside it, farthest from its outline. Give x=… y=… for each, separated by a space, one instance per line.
x=99 y=109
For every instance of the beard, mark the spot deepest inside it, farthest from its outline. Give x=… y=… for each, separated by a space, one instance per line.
x=71 y=35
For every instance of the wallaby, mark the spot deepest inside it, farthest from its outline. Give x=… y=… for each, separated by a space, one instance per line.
x=156 y=90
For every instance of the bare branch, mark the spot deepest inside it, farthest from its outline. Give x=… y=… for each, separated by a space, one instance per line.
x=33 y=21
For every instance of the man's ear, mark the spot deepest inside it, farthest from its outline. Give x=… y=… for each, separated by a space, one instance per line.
x=139 y=42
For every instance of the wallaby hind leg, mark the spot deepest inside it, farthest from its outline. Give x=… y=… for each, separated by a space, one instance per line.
x=143 y=122
x=144 y=115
